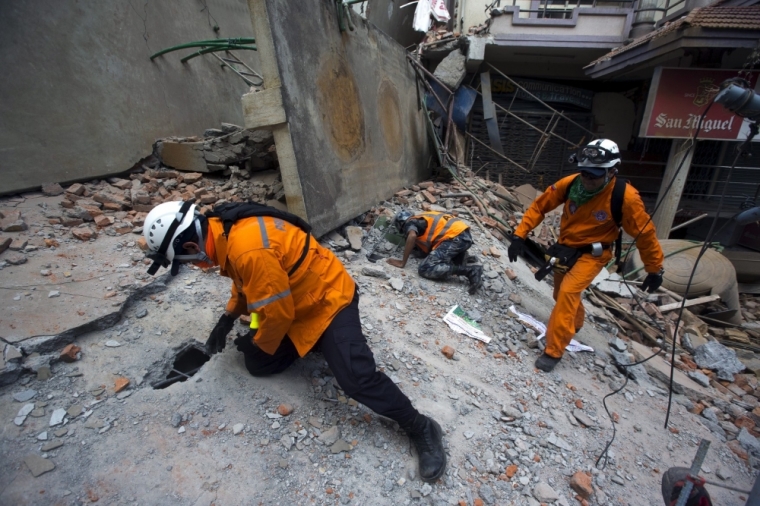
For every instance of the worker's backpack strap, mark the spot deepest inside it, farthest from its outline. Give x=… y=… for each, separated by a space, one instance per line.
x=616 y=206
x=231 y=212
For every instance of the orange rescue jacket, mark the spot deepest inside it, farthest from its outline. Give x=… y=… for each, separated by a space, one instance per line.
x=440 y=227
x=592 y=222
x=257 y=255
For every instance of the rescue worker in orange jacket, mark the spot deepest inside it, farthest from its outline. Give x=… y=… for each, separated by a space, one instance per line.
x=300 y=298
x=587 y=219
x=445 y=240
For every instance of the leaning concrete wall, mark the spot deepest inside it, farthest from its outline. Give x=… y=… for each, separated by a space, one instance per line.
x=342 y=108
x=79 y=96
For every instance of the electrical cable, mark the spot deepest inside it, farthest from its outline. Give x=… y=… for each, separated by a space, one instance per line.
x=604 y=453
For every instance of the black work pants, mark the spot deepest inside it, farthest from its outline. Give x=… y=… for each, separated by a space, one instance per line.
x=351 y=361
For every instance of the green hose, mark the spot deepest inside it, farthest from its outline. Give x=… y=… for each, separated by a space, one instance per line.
x=213 y=49
x=206 y=43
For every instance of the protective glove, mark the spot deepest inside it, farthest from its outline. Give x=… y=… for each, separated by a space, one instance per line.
x=652 y=282
x=516 y=247
x=218 y=338
x=244 y=342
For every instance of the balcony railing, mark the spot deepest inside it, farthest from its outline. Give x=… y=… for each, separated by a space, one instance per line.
x=561 y=9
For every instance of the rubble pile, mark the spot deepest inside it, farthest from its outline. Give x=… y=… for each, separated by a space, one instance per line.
x=118 y=206
x=220 y=149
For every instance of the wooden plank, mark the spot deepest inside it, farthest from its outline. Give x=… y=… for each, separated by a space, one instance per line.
x=689 y=302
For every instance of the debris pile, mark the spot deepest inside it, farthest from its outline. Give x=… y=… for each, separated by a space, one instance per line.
x=226 y=149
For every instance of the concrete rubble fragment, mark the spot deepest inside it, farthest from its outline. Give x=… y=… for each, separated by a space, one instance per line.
x=713 y=355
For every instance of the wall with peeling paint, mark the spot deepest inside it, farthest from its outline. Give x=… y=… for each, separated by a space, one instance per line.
x=80 y=98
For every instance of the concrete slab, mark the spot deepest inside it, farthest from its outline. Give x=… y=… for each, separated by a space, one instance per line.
x=342 y=107
x=94 y=281
x=682 y=384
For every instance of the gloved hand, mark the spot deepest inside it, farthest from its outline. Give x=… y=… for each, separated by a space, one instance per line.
x=218 y=338
x=652 y=282
x=516 y=247
x=244 y=342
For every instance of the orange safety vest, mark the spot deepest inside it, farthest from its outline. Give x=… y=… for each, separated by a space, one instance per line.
x=257 y=255
x=440 y=227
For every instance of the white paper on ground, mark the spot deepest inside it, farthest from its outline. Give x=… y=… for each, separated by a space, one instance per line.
x=540 y=329
x=460 y=323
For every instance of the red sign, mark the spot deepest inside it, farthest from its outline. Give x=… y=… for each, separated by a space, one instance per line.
x=679 y=96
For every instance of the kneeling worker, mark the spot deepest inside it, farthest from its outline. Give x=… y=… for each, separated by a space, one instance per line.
x=298 y=295
x=596 y=205
x=444 y=239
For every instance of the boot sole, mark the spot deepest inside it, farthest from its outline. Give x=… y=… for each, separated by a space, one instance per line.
x=438 y=475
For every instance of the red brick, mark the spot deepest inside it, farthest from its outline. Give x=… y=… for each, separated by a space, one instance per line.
x=581 y=483
x=120 y=384
x=69 y=353
x=511 y=470
x=744 y=421
x=736 y=447
x=102 y=221
x=284 y=409
x=448 y=352
x=510 y=274
x=76 y=189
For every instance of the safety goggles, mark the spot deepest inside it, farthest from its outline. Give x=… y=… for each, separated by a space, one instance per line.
x=596 y=155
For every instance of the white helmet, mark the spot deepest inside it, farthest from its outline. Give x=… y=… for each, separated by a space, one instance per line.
x=600 y=154
x=163 y=225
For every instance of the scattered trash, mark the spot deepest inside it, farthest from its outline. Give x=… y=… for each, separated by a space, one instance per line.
x=461 y=323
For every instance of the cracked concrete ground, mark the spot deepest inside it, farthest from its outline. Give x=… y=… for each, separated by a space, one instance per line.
x=514 y=435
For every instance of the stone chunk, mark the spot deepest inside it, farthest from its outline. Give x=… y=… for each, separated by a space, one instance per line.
x=715 y=356
x=375 y=272
x=237 y=428
x=451 y=70
x=544 y=493
x=341 y=446
x=37 y=465
x=51 y=189
x=52 y=446
x=329 y=436
x=24 y=395
x=13 y=222
x=83 y=233
x=748 y=442
x=355 y=236
x=57 y=417
x=15 y=258
x=5 y=243
x=12 y=354
x=397 y=284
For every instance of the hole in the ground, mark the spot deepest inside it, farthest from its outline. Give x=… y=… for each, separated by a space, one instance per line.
x=188 y=362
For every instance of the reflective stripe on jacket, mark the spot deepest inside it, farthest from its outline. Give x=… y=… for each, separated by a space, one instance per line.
x=440 y=227
x=593 y=221
x=257 y=256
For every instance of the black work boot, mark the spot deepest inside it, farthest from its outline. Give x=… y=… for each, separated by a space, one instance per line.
x=475 y=277
x=427 y=437
x=673 y=481
x=546 y=363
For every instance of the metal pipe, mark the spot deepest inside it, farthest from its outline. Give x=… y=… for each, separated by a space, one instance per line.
x=496 y=152
x=225 y=64
x=687 y=223
x=539 y=100
x=169 y=381
x=201 y=43
x=213 y=49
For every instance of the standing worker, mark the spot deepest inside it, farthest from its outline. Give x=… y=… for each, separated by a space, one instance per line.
x=444 y=239
x=596 y=205
x=299 y=296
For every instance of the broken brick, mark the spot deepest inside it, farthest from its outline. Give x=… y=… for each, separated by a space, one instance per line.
x=75 y=189
x=448 y=352
x=511 y=470
x=123 y=228
x=13 y=222
x=736 y=447
x=284 y=409
x=510 y=274
x=744 y=421
x=103 y=221
x=83 y=233
x=429 y=197
x=581 y=483
x=192 y=177
x=70 y=352
x=120 y=384
x=495 y=252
